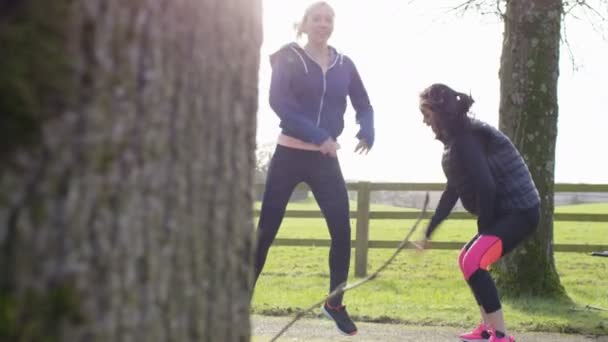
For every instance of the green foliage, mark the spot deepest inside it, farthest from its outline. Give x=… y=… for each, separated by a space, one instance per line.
x=34 y=70
x=34 y=316
x=34 y=87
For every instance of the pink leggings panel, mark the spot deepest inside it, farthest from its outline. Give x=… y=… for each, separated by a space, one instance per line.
x=485 y=251
x=463 y=252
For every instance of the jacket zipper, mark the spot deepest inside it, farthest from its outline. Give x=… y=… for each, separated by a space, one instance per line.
x=322 y=97
x=325 y=87
x=324 y=81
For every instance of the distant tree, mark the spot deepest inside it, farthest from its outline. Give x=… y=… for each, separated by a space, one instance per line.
x=126 y=165
x=263 y=155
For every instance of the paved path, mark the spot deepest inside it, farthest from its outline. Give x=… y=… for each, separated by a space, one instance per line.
x=317 y=330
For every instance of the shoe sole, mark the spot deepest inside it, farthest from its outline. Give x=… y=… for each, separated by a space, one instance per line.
x=326 y=314
x=474 y=339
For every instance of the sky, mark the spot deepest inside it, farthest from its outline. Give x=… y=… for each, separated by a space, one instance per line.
x=400 y=47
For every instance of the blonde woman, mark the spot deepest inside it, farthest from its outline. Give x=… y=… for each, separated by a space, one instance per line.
x=308 y=91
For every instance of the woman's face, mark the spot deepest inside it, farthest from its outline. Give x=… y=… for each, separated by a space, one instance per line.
x=319 y=24
x=431 y=118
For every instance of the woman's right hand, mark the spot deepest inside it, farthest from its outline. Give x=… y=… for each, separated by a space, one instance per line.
x=330 y=148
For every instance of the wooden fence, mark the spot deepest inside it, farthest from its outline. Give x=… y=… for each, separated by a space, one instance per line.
x=363 y=215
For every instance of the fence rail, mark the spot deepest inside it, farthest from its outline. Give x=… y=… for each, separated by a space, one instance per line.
x=363 y=215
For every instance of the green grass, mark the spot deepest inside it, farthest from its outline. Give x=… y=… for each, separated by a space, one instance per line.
x=427 y=289
x=593 y=208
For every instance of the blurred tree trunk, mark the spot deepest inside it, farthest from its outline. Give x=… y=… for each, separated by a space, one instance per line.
x=529 y=73
x=126 y=168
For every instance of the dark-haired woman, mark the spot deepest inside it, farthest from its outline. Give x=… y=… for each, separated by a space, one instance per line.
x=489 y=176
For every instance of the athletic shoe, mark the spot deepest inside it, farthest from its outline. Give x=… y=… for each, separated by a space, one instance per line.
x=493 y=338
x=340 y=317
x=479 y=334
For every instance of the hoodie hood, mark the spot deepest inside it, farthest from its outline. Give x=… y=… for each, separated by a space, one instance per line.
x=294 y=50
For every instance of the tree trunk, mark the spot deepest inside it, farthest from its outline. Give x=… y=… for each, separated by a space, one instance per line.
x=126 y=183
x=529 y=73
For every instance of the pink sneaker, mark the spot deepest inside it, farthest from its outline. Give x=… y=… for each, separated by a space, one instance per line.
x=493 y=338
x=479 y=334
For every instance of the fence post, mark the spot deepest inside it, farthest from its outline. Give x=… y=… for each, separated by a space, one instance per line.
x=362 y=235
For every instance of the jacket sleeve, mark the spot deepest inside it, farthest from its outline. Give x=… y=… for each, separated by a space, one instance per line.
x=364 y=111
x=444 y=208
x=283 y=103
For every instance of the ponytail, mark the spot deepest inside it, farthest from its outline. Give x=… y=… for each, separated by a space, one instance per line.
x=298 y=28
x=452 y=107
x=464 y=103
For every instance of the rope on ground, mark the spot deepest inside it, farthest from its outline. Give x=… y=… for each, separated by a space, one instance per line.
x=591 y=307
x=588 y=308
x=342 y=288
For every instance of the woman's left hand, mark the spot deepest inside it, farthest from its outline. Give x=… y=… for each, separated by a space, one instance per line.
x=422 y=245
x=362 y=147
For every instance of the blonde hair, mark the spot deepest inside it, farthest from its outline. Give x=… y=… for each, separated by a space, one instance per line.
x=299 y=26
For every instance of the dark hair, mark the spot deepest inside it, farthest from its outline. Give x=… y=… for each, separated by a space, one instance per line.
x=451 y=106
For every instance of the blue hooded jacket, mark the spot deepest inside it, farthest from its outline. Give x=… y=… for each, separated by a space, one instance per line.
x=311 y=105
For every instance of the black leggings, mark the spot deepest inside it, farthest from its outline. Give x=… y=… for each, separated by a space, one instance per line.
x=487 y=247
x=322 y=173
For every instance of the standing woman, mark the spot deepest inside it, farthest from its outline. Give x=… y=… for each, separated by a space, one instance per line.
x=487 y=173
x=308 y=92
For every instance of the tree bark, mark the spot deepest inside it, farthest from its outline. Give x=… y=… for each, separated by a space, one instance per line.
x=529 y=74
x=126 y=189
